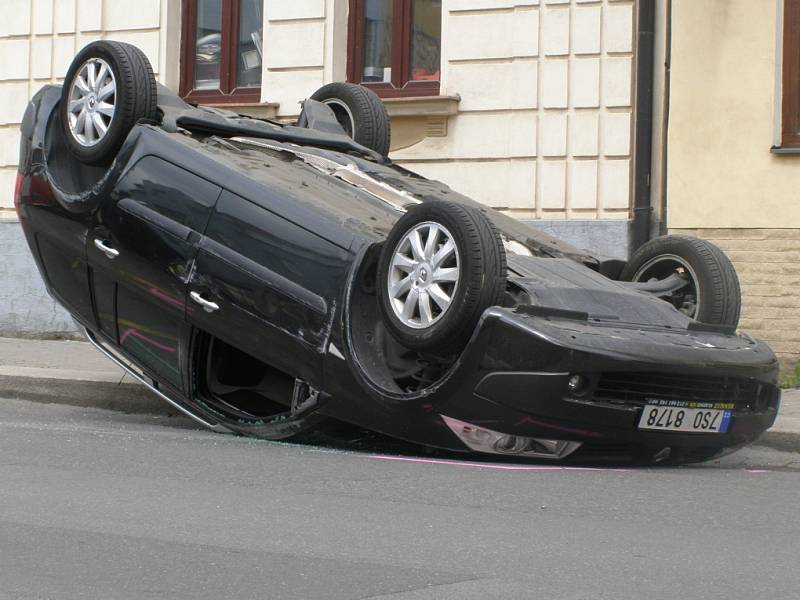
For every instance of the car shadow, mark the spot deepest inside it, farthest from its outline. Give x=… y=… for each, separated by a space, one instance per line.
x=343 y=437
x=347 y=438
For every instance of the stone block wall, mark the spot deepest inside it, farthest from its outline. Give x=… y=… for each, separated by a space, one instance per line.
x=768 y=264
x=27 y=309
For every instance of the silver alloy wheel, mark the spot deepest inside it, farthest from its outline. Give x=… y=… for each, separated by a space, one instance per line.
x=92 y=98
x=423 y=276
x=686 y=299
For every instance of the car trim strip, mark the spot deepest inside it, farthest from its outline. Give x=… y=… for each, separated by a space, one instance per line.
x=143 y=380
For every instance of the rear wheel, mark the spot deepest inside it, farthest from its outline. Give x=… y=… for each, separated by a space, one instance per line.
x=109 y=87
x=711 y=294
x=360 y=112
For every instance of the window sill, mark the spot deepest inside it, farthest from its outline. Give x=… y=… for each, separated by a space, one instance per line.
x=422 y=106
x=784 y=150
x=411 y=106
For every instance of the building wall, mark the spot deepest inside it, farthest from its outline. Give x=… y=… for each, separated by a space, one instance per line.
x=534 y=118
x=542 y=91
x=722 y=181
x=305 y=47
x=722 y=119
x=544 y=123
x=38 y=39
x=25 y=307
x=768 y=264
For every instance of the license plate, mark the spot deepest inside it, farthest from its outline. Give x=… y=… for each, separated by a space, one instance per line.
x=685 y=418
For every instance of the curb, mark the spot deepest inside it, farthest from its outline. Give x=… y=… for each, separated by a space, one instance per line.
x=786 y=441
x=130 y=398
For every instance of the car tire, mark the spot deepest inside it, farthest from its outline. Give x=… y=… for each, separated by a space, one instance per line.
x=109 y=87
x=713 y=294
x=360 y=112
x=430 y=297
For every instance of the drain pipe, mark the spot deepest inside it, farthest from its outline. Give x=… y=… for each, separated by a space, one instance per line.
x=643 y=133
x=661 y=227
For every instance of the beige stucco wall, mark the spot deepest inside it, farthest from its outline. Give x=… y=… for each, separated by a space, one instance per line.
x=542 y=126
x=723 y=183
x=722 y=119
x=305 y=46
x=38 y=39
x=540 y=117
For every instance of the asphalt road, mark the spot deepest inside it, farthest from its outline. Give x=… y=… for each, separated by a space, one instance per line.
x=100 y=504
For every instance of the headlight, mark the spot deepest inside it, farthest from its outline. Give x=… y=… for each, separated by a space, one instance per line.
x=481 y=439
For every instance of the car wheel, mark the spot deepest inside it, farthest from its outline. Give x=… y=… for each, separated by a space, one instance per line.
x=712 y=294
x=360 y=112
x=441 y=266
x=109 y=87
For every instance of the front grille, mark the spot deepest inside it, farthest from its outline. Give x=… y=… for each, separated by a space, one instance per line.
x=637 y=388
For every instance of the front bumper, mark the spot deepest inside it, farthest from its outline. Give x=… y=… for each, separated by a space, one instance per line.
x=522 y=364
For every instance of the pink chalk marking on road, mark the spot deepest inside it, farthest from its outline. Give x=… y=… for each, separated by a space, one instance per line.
x=457 y=463
x=758 y=471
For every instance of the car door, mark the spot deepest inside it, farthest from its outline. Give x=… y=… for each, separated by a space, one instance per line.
x=140 y=252
x=267 y=286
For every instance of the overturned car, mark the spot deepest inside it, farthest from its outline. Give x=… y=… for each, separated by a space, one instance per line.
x=265 y=277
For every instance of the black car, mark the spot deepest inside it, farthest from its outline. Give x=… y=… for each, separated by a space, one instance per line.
x=266 y=277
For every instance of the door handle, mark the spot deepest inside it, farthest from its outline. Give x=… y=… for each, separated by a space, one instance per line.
x=106 y=249
x=207 y=305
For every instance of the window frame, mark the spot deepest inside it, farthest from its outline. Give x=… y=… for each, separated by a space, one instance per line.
x=401 y=85
x=227 y=93
x=790 y=75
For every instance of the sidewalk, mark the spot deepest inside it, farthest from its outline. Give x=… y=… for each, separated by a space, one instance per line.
x=785 y=434
x=75 y=373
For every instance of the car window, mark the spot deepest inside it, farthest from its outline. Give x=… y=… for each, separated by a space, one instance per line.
x=169 y=191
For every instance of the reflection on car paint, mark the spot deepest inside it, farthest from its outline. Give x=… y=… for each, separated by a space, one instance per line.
x=149 y=330
x=138 y=334
x=172 y=301
x=576 y=430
